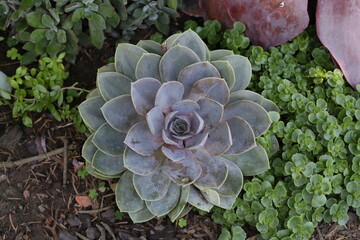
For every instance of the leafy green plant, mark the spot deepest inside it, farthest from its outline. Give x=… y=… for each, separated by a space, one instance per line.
x=93 y=193
x=40 y=89
x=182 y=222
x=174 y=122
x=82 y=172
x=316 y=176
x=48 y=28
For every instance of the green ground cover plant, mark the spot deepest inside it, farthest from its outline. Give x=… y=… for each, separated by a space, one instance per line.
x=315 y=176
x=39 y=89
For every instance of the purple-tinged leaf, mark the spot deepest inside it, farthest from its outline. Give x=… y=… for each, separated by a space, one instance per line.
x=143 y=93
x=155 y=120
x=211 y=87
x=174 y=153
x=219 y=139
x=183 y=172
x=169 y=93
x=142 y=165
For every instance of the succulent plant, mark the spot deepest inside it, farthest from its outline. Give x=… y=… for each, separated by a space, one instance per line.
x=174 y=123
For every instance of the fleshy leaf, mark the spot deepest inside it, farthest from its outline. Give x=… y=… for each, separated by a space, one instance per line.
x=88 y=149
x=226 y=72
x=113 y=84
x=251 y=112
x=152 y=187
x=196 y=141
x=148 y=66
x=120 y=113
x=126 y=196
x=107 y=68
x=143 y=93
x=142 y=215
x=234 y=181
x=93 y=93
x=185 y=107
x=197 y=123
x=142 y=165
x=155 y=120
x=140 y=139
x=252 y=162
x=175 y=60
x=242 y=69
x=183 y=172
x=227 y=202
x=184 y=196
x=174 y=153
x=214 y=88
x=242 y=135
x=106 y=164
x=254 y=97
x=109 y=140
x=219 y=54
x=150 y=46
x=210 y=111
x=194 y=72
x=219 y=139
x=211 y=195
x=197 y=200
x=91 y=170
x=90 y=112
x=168 y=94
x=167 y=203
x=169 y=41
x=166 y=135
x=126 y=58
x=214 y=170
x=192 y=40
x=337 y=28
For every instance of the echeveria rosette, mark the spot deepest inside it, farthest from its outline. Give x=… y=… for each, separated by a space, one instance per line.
x=174 y=122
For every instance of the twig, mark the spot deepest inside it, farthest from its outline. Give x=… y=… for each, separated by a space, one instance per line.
x=102 y=232
x=95 y=211
x=81 y=236
x=107 y=227
x=35 y=158
x=65 y=161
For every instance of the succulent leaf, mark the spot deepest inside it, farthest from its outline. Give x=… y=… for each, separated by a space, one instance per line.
x=150 y=46
x=140 y=139
x=242 y=68
x=127 y=199
x=142 y=215
x=175 y=60
x=185 y=171
x=211 y=87
x=152 y=187
x=214 y=170
x=148 y=66
x=196 y=141
x=107 y=164
x=126 y=58
x=251 y=112
x=88 y=149
x=113 y=84
x=226 y=202
x=120 y=113
x=234 y=181
x=226 y=71
x=169 y=41
x=143 y=93
x=243 y=137
x=219 y=54
x=184 y=196
x=155 y=120
x=168 y=94
x=254 y=97
x=211 y=196
x=219 y=139
x=167 y=203
x=174 y=153
x=109 y=140
x=211 y=112
x=91 y=113
x=197 y=123
x=197 y=200
x=185 y=107
x=191 y=40
x=91 y=170
x=142 y=165
x=194 y=72
x=107 y=68
x=252 y=162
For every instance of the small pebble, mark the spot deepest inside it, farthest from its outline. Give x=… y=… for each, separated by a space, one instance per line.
x=92 y=233
x=41 y=208
x=73 y=220
x=65 y=235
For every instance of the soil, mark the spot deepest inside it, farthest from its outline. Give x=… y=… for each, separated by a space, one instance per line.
x=38 y=203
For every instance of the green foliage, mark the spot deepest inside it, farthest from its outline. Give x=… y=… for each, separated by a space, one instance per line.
x=182 y=222
x=82 y=172
x=50 y=27
x=316 y=176
x=40 y=89
x=93 y=193
x=118 y=215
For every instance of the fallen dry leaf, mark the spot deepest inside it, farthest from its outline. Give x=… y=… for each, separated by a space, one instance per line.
x=84 y=201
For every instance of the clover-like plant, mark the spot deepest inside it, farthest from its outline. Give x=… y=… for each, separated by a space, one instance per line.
x=174 y=123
